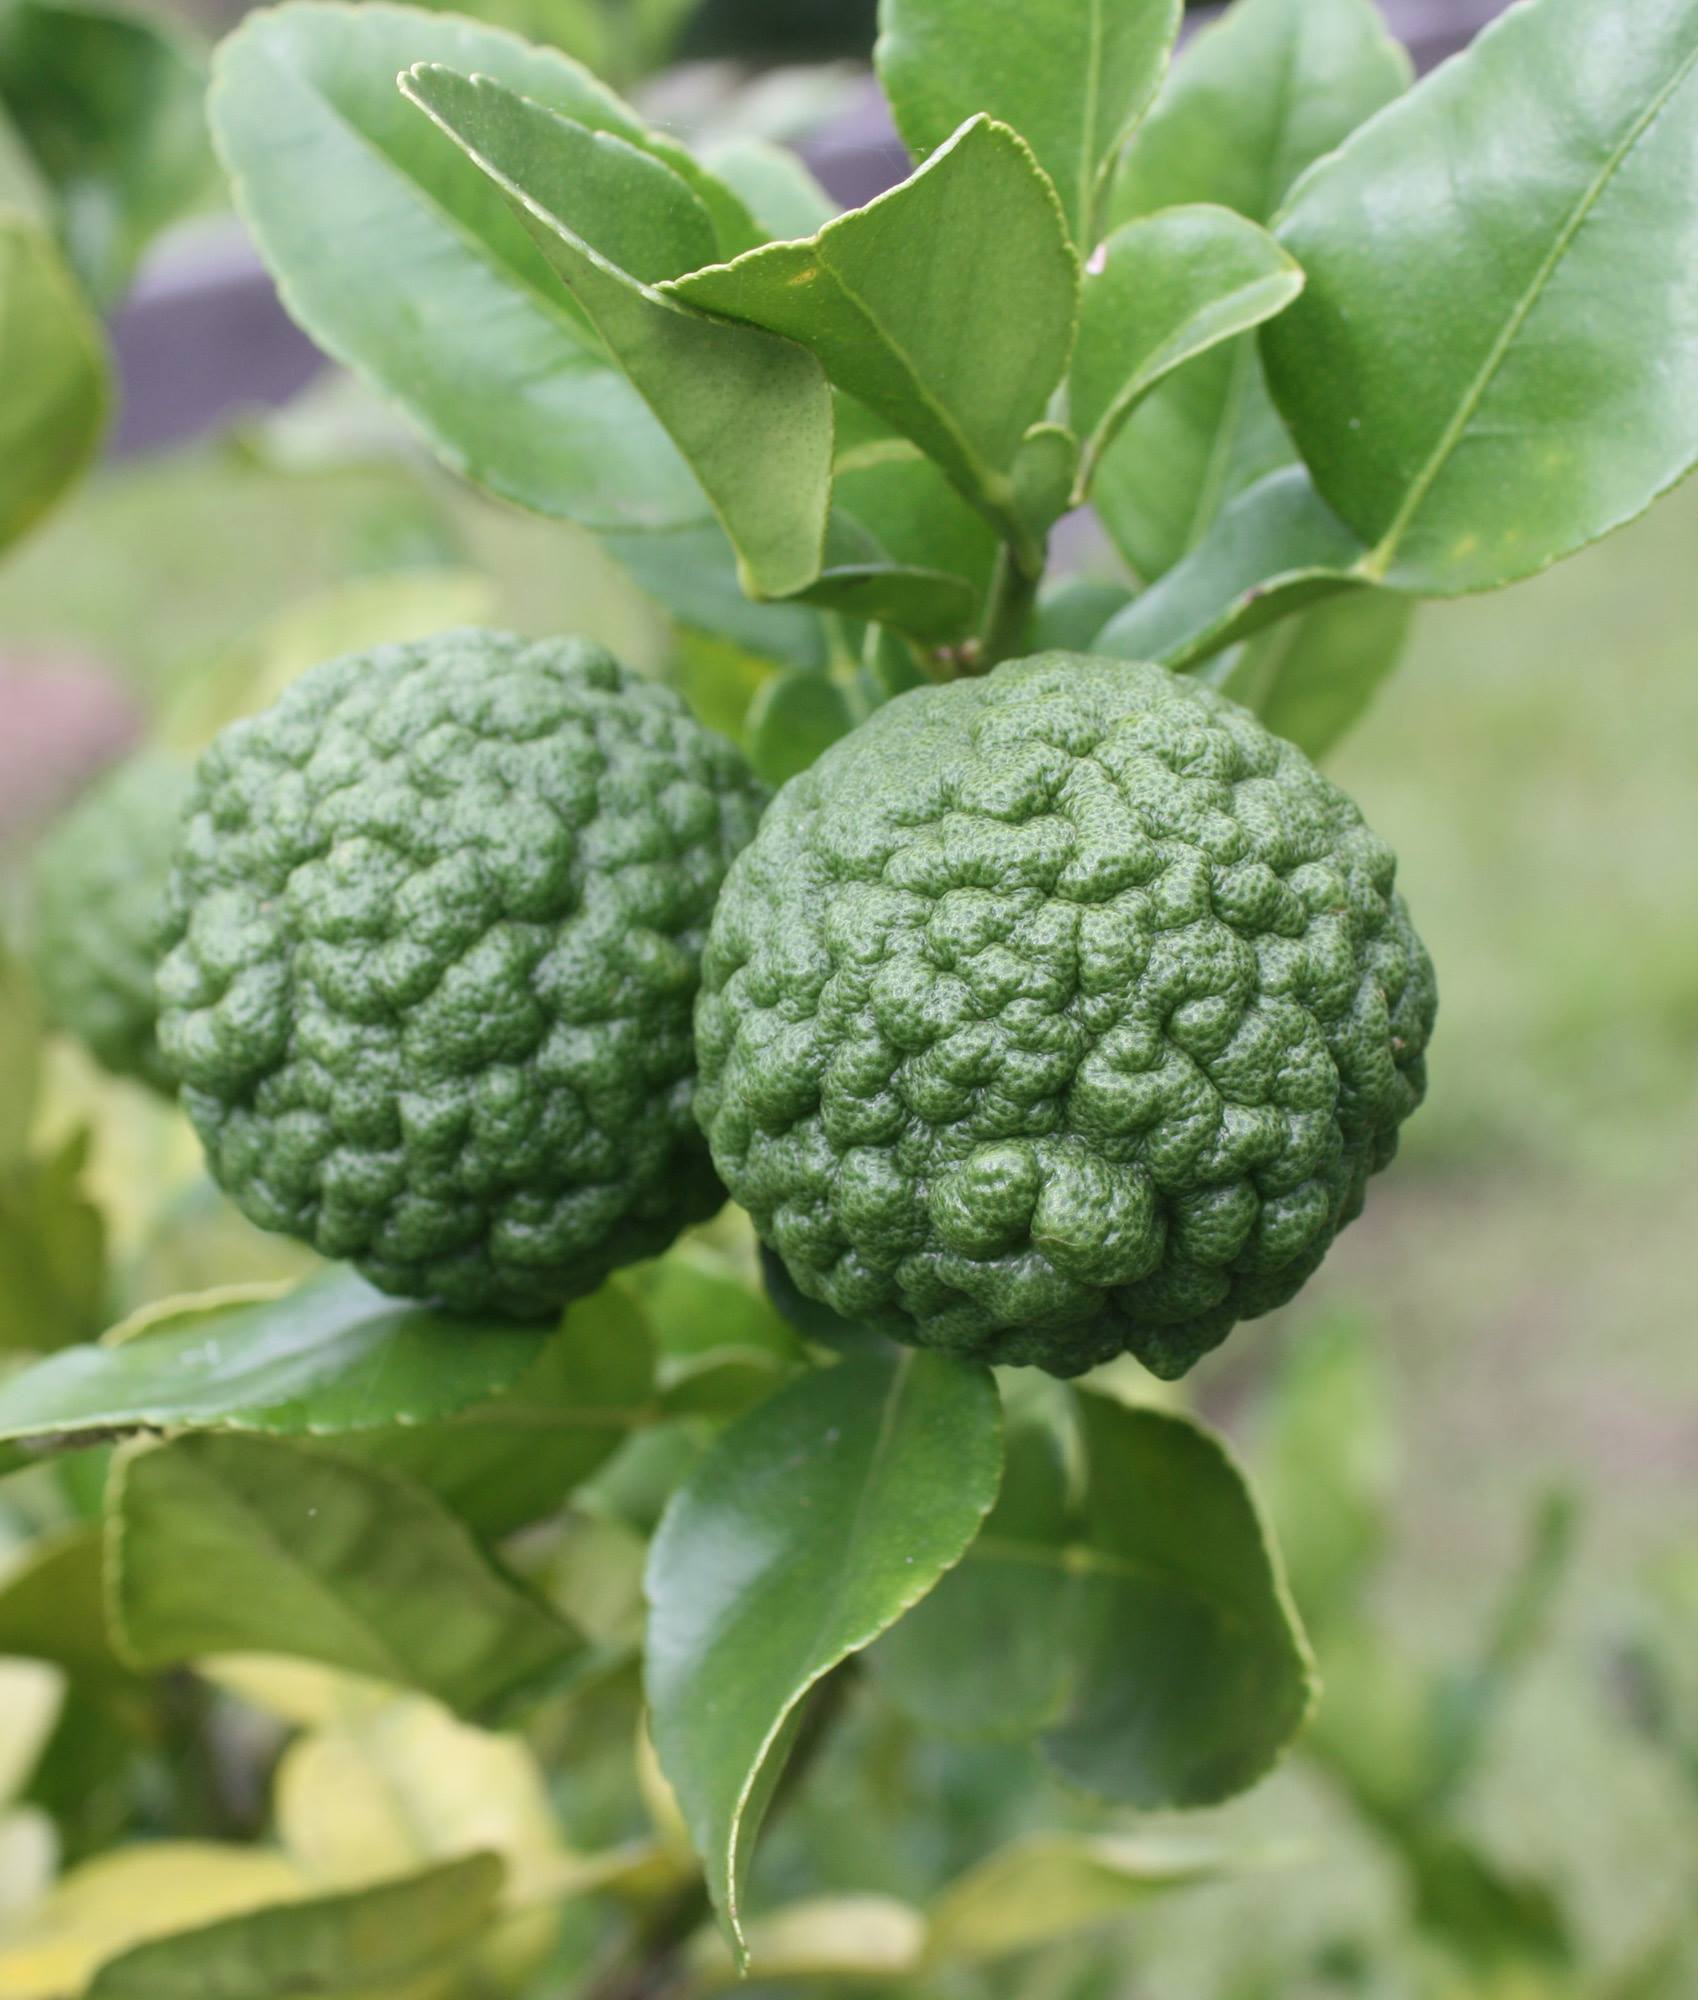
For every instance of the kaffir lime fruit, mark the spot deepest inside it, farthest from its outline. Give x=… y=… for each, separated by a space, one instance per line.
x=1059 y=1013
x=100 y=879
x=433 y=939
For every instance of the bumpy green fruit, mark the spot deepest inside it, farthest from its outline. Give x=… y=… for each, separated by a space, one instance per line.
x=99 y=888
x=433 y=938
x=1059 y=1013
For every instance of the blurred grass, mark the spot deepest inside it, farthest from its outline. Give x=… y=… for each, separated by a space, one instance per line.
x=1528 y=1263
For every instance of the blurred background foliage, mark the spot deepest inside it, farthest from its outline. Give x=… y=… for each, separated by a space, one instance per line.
x=1477 y=1429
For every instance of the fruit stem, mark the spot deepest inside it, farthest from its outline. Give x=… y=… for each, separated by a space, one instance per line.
x=1008 y=611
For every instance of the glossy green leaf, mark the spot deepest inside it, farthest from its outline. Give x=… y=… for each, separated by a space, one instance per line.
x=809 y=1528
x=108 y=102
x=1053 y=1886
x=1143 y=1627
x=723 y=1346
x=251 y=1545
x=750 y=413
x=360 y=1942
x=405 y=262
x=893 y=298
x=921 y=521
x=1072 y=78
x=1496 y=358
x=779 y=192
x=1314 y=677
x=1249 y=105
x=331 y=1356
x=1277 y=549
x=1159 y=292
x=793 y=720
x=514 y=1458
x=53 y=363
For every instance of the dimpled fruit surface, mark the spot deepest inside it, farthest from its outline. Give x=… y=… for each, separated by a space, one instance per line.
x=99 y=886
x=1059 y=1013
x=433 y=938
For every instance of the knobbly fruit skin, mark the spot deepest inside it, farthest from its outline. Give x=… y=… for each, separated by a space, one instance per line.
x=1059 y=1013
x=100 y=879
x=433 y=941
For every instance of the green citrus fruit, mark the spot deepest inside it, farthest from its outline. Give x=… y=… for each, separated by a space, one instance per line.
x=1059 y=1013
x=100 y=881
x=433 y=940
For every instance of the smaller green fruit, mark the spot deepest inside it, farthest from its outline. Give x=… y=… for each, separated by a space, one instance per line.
x=100 y=881
x=432 y=944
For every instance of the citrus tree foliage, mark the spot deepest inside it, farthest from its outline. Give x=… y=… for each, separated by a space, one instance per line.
x=542 y=1625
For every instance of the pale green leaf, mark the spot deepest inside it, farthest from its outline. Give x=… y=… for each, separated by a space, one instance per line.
x=251 y=1545
x=750 y=413
x=365 y=1941
x=53 y=363
x=1251 y=103
x=332 y=1355
x=1496 y=358
x=1277 y=549
x=106 y=1906
x=691 y=573
x=1072 y=78
x=838 y=1938
x=893 y=298
x=1159 y=292
x=1313 y=677
x=405 y=262
x=1054 y=1886
x=52 y=1251
x=809 y=1528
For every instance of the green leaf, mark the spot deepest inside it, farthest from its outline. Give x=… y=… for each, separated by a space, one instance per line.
x=1072 y=611
x=53 y=362
x=1159 y=292
x=251 y=1545
x=895 y=298
x=834 y=1938
x=1277 y=549
x=1053 y=1886
x=809 y=1528
x=359 y=1942
x=779 y=192
x=1314 y=677
x=723 y=1344
x=1328 y=1460
x=501 y=1463
x=691 y=574
x=793 y=719
x=1072 y=78
x=331 y=1356
x=108 y=102
x=52 y=1251
x=1190 y=1673
x=1494 y=362
x=750 y=413
x=928 y=605
x=1250 y=104
x=52 y=1607
x=407 y=264
x=1144 y=1628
